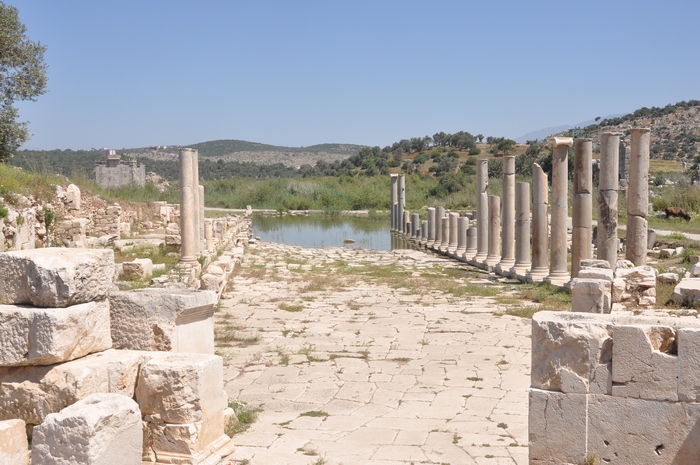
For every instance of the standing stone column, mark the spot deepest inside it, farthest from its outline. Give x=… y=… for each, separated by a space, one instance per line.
x=494 y=255
x=423 y=233
x=401 y=199
x=462 y=226
x=638 y=197
x=582 y=214
x=607 y=198
x=394 y=198
x=202 y=240
x=209 y=235
x=415 y=225
x=558 y=273
x=195 y=184
x=454 y=236
x=445 y=222
x=439 y=214
x=522 y=232
x=431 y=227
x=508 y=222
x=482 y=212
x=406 y=228
x=471 y=245
x=624 y=165
x=188 y=219
x=540 y=236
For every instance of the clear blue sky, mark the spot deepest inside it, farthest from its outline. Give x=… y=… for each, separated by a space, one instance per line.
x=138 y=73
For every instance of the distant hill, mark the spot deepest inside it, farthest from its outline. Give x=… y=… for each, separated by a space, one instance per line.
x=543 y=133
x=252 y=152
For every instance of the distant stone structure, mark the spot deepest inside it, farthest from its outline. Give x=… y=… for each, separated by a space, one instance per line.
x=114 y=172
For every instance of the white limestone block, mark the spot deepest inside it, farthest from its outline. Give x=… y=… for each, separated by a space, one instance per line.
x=43 y=336
x=588 y=295
x=33 y=392
x=177 y=320
x=197 y=442
x=687 y=292
x=643 y=365
x=668 y=278
x=596 y=273
x=102 y=429
x=568 y=342
x=139 y=268
x=181 y=388
x=695 y=271
x=689 y=364
x=72 y=197
x=14 y=448
x=557 y=427
x=624 y=431
x=55 y=277
x=594 y=263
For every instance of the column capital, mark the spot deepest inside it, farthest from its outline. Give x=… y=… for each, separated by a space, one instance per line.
x=642 y=130
x=559 y=141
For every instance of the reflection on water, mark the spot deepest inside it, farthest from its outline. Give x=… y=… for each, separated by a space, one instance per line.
x=322 y=231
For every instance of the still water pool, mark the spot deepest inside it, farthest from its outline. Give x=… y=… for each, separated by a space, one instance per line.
x=321 y=231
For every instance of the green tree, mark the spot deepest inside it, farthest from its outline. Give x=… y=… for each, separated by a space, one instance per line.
x=22 y=77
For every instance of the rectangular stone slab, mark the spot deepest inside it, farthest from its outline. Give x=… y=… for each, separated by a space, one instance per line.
x=557 y=427
x=44 y=336
x=14 y=448
x=163 y=319
x=32 y=392
x=55 y=277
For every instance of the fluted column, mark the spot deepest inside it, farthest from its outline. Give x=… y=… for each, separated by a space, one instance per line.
x=394 y=198
x=582 y=212
x=638 y=197
x=462 y=225
x=607 y=198
x=558 y=272
x=522 y=231
x=431 y=227
x=454 y=229
x=482 y=212
x=494 y=255
x=188 y=219
x=540 y=229
x=508 y=221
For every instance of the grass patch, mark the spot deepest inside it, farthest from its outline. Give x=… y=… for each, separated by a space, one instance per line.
x=314 y=413
x=523 y=312
x=246 y=416
x=548 y=296
x=290 y=308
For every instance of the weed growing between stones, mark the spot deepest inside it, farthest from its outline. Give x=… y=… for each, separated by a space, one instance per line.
x=245 y=414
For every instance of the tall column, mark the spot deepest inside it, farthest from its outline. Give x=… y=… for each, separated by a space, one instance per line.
x=582 y=214
x=415 y=225
x=188 y=220
x=394 y=198
x=494 y=254
x=439 y=214
x=423 y=233
x=508 y=222
x=462 y=225
x=558 y=273
x=401 y=199
x=445 y=222
x=195 y=184
x=431 y=227
x=638 y=197
x=482 y=212
x=624 y=165
x=540 y=230
x=202 y=240
x=454 y=236
x=522 y=231
x=471 y=245
x=607 y=198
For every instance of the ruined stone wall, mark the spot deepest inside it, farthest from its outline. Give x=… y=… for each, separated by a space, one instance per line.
x=614 y=389
x=122 y=174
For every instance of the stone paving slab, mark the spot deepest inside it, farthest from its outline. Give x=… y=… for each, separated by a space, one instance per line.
x=368 y=372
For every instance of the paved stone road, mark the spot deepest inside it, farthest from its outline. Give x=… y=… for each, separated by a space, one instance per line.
x=350 y=368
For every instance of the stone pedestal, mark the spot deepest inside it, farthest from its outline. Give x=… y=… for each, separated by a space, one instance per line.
x=394 y=199
x=471 y=245
x=558 y=272
x=522 y=232
x=607 y=198
x=508 y=222
x=638 y=197
x=454 y=230
x=431 y=228
x=462 y=226
x=494 y=255
x=582 y=214
x=188 y=217
x=540 y=230
x=482 y=212
x=445 y=226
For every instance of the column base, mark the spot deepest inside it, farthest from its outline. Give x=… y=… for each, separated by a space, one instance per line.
x=558 y=278
x=423 y=242
x=468 y=255
x=430 y=243
x=478 y=259
x=443 y=249
x=519 y=271
x=537 y=275
x=490 y=263
x=504 y=266
x=458 y=253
